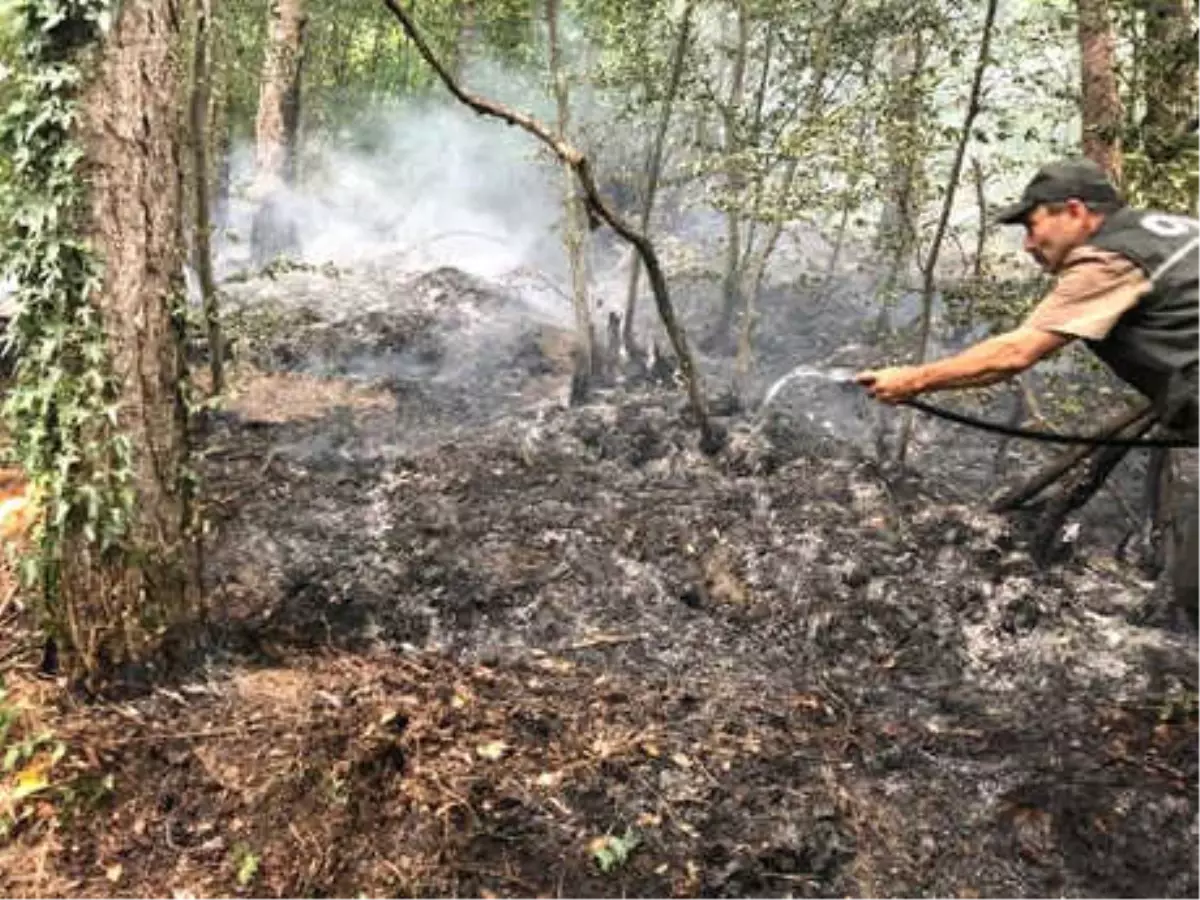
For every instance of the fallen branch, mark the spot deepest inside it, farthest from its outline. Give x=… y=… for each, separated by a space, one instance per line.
x=1080 y=489
x=1017 y=495
x=712 y=439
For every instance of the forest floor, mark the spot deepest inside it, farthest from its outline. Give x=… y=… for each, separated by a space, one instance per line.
x=467 y=640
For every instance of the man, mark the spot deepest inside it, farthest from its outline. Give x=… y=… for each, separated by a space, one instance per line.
x=1127 y=286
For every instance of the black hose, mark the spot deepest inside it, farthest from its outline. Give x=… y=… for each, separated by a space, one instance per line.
x=1048 y=437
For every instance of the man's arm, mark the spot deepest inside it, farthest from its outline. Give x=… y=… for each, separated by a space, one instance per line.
x=1094 y=289
x=987 y=362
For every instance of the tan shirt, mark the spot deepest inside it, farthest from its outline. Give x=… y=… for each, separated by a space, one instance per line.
x=1094 y=289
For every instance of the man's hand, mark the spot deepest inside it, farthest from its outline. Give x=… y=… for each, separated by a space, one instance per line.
x=985 y=363
x=891 y=385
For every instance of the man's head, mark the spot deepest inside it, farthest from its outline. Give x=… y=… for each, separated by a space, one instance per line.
x=1061 y=208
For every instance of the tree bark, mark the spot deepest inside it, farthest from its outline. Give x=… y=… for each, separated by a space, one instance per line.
x=979 y=179
x=754 y=138
x=896 y=235
x=712 y=439
x=731 y=112
x=1169 y=84
x=576 y=221
x=654 y=169
x=468 y=35
x=272 y=232
x=131 y=128
x=202 y=262
x=1101 y=106
x=929 y=268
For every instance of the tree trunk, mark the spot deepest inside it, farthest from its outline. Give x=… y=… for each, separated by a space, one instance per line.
x=731 y=298
x=202 y=262
x=929 y=269
x=756 y=269
x=468 y=35
x=575 y=231
x=272 y=232
x=1103 y=114
x=654 y=170
x=902 y=128
x=979 y=179
x=1169 y=84
x=221 y=139
x=847 y=203
x=118 y=604
x=754 y=138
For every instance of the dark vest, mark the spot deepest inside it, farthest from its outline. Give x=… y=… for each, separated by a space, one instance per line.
x=1155 y=345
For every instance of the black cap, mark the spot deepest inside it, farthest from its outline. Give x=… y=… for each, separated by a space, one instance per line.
x=1056 y=182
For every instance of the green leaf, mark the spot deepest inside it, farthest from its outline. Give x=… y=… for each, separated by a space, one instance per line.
x=611 y=852
x=247 y=868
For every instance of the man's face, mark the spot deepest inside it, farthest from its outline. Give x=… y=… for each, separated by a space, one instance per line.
x=1053 y=232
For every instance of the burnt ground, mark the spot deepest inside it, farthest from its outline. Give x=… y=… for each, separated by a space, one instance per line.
x=468 y=641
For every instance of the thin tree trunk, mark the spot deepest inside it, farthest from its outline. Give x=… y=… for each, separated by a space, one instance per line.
x=754 y=139
x=219 y=128
x=1170 y=84
x=1101 y=99
x=732 y=142
x=847 y=202
x=654 y=170
x=982 y=234
x=119 y=605
x=576 y=220
x=377 y=33
x=468 y=35
x=753 y=286
x=712 y=439
x=897 y=233
x=272 y=232
x=202 y=244
x=929 y=269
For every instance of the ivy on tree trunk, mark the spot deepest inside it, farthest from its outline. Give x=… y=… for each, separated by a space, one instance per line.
x=98 y=411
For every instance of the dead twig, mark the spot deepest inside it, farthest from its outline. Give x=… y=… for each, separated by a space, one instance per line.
x=603 y=640
x=785 y=876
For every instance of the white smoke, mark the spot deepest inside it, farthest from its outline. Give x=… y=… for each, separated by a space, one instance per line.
x=440 y=187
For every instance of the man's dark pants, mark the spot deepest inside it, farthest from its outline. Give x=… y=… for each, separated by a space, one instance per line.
x=1185 y=565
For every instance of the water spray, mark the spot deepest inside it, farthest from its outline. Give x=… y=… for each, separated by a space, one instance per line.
x=845 y=377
